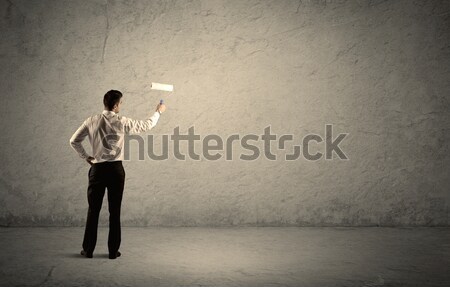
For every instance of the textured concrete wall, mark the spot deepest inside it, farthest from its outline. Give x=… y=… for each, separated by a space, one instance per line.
x=377 y=70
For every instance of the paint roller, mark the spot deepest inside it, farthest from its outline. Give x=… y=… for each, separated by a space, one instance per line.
x=161 y=87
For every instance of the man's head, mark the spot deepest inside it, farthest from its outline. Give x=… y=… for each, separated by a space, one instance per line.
x=112 y=100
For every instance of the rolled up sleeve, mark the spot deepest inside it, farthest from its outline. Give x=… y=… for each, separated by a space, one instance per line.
x=139 y=126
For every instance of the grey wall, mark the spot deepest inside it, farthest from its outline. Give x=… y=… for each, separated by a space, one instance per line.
x=377 y=70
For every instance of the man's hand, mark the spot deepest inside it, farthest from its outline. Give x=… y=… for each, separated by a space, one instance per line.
x=161 y=108
x=89 y=160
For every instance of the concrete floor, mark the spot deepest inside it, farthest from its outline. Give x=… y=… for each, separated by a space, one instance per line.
x=264 y=256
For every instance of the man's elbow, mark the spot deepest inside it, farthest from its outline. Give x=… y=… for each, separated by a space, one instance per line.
x=73 y=142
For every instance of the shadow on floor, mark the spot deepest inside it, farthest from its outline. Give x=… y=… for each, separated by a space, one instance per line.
x=79 y=256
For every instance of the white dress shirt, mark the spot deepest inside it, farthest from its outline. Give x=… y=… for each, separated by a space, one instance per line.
x=106 y=132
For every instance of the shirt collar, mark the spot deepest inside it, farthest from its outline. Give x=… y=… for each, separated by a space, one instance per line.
x=106 y=112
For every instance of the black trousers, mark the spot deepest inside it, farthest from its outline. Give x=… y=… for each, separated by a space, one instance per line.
x=109 y=175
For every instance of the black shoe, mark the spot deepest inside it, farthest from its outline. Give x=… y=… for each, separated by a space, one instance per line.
x=112 y=256
x=85 y=254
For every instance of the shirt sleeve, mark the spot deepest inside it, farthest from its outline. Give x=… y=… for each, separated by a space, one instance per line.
x=77 y=138
x=139 y=126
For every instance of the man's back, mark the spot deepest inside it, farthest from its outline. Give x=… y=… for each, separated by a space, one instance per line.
x=106 y=133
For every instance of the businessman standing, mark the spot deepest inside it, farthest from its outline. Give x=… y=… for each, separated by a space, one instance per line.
x=106 y=133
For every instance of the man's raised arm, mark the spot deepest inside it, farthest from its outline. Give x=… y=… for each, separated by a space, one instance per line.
x=139 y=126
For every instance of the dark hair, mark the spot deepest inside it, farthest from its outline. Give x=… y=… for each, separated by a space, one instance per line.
x=111 y=98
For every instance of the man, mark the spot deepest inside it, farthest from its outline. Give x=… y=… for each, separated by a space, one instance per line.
x=106 y=134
